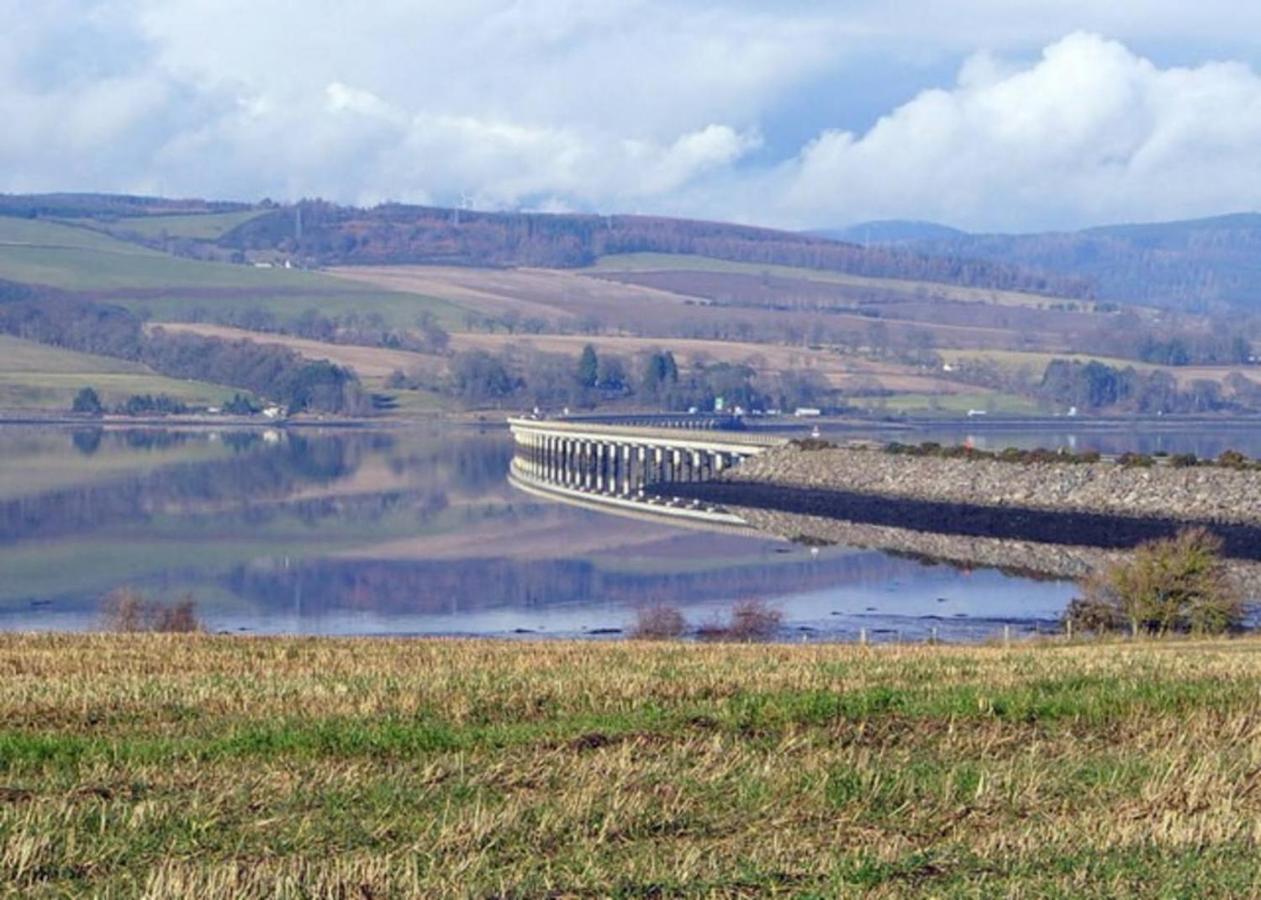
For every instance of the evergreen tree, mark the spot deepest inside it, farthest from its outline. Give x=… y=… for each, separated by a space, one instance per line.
x=87 y=401
x=588 y=367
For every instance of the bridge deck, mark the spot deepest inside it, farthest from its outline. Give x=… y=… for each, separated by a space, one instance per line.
x=680 y=438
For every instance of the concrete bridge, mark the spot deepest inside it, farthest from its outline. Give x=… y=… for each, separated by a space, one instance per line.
x=630 y=467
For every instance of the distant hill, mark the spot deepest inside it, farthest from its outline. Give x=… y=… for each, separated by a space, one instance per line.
x=394 y=234
x=326 y=234
x=1192 y=265
x=890 y=231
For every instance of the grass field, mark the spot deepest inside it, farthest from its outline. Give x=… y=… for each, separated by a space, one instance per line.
x=229 y=767
x=994 y=402
x=165 y=286
x=205 y=227
x=36 y=376
x=657 y=262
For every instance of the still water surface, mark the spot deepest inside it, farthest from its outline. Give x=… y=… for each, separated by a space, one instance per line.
x=418 y=532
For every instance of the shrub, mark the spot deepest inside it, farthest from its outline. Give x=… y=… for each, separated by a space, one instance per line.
x=751 y=620
x=1233 y=459
x=1135 y=460
x=1094 y=613
x=1177 y=584
x=812 y=444
x=130 y=611
x=1183 y=460
x=658 y=623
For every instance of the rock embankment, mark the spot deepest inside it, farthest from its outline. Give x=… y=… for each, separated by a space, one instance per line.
x=1192 y=494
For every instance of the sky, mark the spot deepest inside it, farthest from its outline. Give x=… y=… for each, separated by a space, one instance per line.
x=989 y=115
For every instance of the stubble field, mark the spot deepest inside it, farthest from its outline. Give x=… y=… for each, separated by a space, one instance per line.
x=225 y=767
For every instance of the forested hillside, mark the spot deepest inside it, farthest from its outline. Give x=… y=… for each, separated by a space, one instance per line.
x=1191 y=265
x=317 y=233
x=395 y=233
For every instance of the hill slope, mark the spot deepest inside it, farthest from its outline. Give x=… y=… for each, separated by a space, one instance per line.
x=1191 y=265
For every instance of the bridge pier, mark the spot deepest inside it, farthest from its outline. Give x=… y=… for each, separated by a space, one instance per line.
x=620 y=461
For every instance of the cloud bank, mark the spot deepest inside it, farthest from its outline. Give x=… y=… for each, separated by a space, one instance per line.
x=642 y=106
x=1090 y=132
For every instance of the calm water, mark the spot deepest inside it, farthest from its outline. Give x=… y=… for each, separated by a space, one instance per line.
x=418 y=532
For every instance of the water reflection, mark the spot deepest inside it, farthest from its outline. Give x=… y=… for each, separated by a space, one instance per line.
x=414 y=531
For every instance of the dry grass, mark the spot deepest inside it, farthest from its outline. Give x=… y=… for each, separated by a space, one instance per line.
x=160 y=765
x=550 y=294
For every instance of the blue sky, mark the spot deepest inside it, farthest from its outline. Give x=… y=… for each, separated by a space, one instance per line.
x=984 y=114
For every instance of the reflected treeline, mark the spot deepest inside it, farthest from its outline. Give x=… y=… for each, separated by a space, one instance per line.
x=437 y=587
x=469 y=462
x=256 y=470
x=256 y=480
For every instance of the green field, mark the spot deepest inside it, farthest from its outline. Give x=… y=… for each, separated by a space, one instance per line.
x=72 y=258
x=668 y=262
x=1036 y=362
x=994 y=403
x=291 y=767
x=205 y=227
x=36 y=376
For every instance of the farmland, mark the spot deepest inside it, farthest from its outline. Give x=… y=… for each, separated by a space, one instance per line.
x=624 y=263
x=840 y=371
x=288 y=767
x=166 y=286
x=36 y=376
x=876 y=341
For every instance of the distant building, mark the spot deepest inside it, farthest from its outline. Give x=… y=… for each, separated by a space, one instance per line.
x=804 y=411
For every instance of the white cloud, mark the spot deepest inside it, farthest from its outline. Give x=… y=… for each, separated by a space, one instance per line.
x=1089 y=132
x=639 y=105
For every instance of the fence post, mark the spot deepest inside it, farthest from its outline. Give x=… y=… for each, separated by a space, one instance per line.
x=862 y=637
x=1006 y=635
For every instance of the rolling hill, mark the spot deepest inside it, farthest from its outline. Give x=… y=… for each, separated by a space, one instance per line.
x=1192 y=265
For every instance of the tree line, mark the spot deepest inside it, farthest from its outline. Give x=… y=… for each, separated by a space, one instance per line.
x=522 y=376
x=1097 y=386
x=278 y=373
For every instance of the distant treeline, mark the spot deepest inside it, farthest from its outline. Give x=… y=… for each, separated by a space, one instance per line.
x=106 y=207
x=278 y=373
x=393 y=233
x=1097 y=386
x=520 y=377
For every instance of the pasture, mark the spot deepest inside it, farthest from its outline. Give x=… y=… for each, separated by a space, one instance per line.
x=37 y=376
x=163 y=286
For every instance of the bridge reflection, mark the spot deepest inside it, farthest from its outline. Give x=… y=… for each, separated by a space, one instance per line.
x=630 y=469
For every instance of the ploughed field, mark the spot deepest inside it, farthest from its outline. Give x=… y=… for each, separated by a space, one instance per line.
x=224 y=767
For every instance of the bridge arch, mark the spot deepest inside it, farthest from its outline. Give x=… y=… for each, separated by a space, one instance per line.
x=629 y=466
